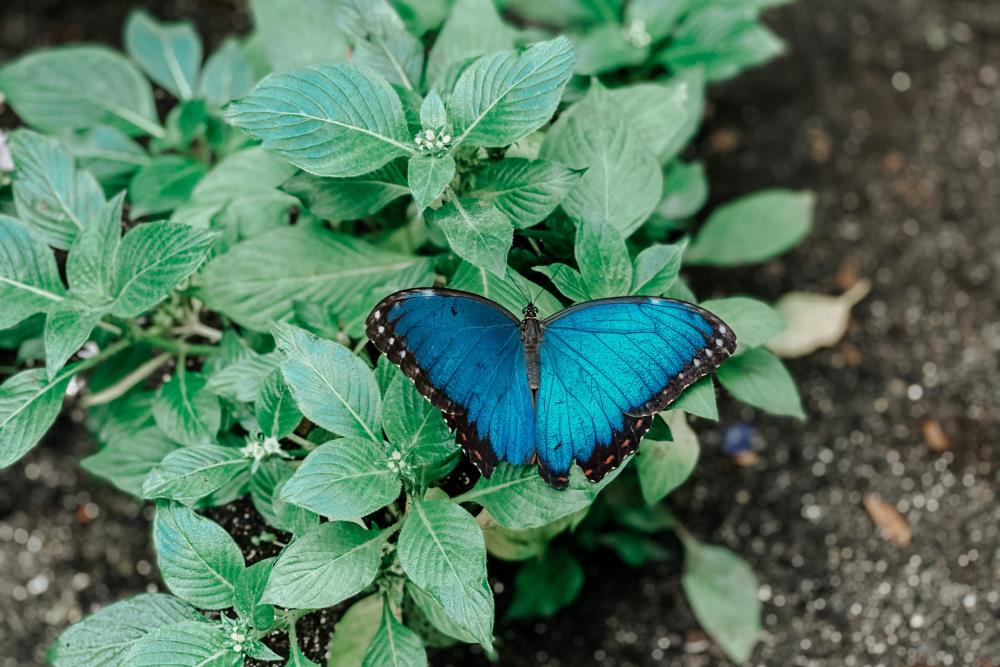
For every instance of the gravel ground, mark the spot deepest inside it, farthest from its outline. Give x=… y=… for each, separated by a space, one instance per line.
x=889 y=111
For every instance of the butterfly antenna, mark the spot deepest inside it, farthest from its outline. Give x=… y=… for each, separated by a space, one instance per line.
x=517 y=286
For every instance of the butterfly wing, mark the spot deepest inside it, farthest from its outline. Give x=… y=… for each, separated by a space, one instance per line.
x=607 y=366
x=464 y=353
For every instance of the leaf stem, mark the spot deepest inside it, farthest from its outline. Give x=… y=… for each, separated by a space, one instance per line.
x=120 y=388
x=111 y=328
x=301 y=442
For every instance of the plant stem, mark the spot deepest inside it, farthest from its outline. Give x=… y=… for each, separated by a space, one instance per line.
x=118 y=389
x=112 y=328
x=177 y=346
x=301 y=442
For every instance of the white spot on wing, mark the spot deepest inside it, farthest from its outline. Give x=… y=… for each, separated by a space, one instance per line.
x=377 y=314
x=722 y=328
x=381 y=329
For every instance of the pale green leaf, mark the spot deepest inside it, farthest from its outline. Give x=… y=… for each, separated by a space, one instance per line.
x=754 y=322
x=343 y=479
x=243 y=174
x=380 y=41
x=185 y=644
x=29 y=277
x=510 y=291
x=607 y=47
x=228 y=74
x=441 y=549
x=276 y=411
x=656 y=268
x=298 y=33
x=191 y=473
x=164 y=184
x=656 y=111
x=332 y=386
x=418 y=431
x=473 y=29
x=152 y=259
x=29 y=403
x=518 y=498
x=428 y=176
x=693 y=81
x=106 y=152
x=105 y=637
x=243 y=379
x=477 y=231
x=657 y=17
x=90 y=266
x=330 y=120
x=603 y=259
x=435 y=615
x=505 y=96
x=394 y=645
x=432 y=113
x=753 y=228
x=526 y=191
x=722 y=591
x=126 y=460
x=354 y=631
x=758 y=378
x=66 y=330
x=170 y=53
x=186 y=411
x=665 y=465
x=567 y=280
x=198 y=560
x=327 y=565
x=623 y=182
x=699 y=400
x=54 y=199
x=249 y=591
x=685 y=190
x=80 y=87
x=349 y=198
x=256 y=282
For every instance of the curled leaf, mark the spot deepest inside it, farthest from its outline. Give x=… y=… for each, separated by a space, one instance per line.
x=814 y=320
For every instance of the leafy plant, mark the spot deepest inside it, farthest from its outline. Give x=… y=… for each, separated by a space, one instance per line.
x=200 y=281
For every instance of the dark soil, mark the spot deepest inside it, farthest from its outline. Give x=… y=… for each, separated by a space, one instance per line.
x=890 y=112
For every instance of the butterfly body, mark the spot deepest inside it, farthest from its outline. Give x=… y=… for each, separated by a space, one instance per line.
x=581 y=385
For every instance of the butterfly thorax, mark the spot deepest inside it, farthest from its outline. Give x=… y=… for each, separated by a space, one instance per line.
x=531 y=337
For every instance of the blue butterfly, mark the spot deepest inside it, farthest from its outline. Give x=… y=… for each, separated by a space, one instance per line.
x=580 y=385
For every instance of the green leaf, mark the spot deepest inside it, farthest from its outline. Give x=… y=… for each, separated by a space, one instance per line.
x=692 y=81
x=296 y=658
x=243 y=174
x=605 y=48
x=80 y=87
x=720 y=41
x=243 y=379
x=53 y=198
x=603 y=259
x=249 y=591
x=665 y=465
x=417 y=430
x=330 y=120
x=658 y=17
x=567 y=280
x=354 y=631
x=441 y=549
x=380 y=41
x=298 y=33
x=754 y=322
x=228 y=74
x=699 y=399
x=296 y=520
x=164 y=184
x=199 y=561
x=722 y=591
x=191 y=473
x=508 y=290
x=434 y=614
x=29 y=277
x=126 y=460
x=349 y=198
x=758 y=378
x=256 y=282
x=518 y=498
x=185 y=411
x=105 y=637
x=343 y=479
x=106 y=152
x=685 y=190
x=753 y=228
x=394 y=645
x=276 y=411
x=477 y=231
x=327 y=565
x=656 y=268
x=526 y=191
x=545 y=585
x=185 y=644
x=623 y=182
x=473 y=29
x=152 y=259
x=29 y=403
x=505 y=96
x=90 y=266
x=428 y=176
x=654 y=110
x=66 y=330
x=635 y=550
x=332 y=386
x=432 y=113
x=170 y=53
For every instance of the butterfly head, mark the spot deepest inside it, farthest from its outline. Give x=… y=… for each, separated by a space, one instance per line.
x=530 y=311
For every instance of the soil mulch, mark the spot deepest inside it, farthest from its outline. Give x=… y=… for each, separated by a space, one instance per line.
x=889 y=111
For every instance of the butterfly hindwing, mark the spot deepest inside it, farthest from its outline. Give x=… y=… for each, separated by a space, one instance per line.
x=465 y=355
x=607 y=366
